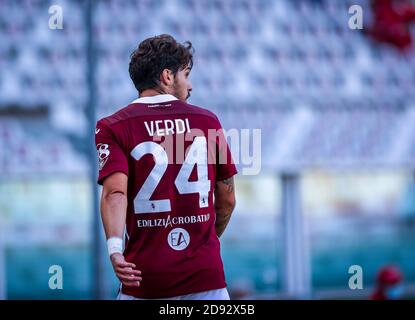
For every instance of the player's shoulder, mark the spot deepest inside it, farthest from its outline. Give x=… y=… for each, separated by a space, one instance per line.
x=131 y=111
x=117 y=117
x=201 y=111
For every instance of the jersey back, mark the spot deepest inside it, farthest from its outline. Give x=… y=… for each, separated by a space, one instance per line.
x=173 y=153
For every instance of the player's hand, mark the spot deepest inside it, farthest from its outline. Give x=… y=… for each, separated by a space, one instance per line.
x=125 y=271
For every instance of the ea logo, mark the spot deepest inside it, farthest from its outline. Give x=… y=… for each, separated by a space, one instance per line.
x=178 y=239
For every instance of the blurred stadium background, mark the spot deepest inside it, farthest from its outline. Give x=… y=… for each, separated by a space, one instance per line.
x=337 y=114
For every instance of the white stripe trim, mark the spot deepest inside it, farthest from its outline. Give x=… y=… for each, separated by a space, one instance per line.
x=156 y=99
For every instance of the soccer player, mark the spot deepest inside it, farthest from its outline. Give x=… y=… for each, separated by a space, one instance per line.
x=167 y=177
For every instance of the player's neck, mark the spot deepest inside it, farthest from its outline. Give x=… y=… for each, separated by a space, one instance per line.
x=152 y=92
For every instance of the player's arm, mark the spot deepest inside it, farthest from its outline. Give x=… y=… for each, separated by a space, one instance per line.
x=224 y=204
x=113 y=214
x=114 y=204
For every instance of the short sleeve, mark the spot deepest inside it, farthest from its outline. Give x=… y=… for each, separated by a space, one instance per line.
x=225 y=166
x=111 y=157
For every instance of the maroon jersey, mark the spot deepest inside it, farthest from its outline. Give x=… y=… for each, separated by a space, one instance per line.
x=173 y=153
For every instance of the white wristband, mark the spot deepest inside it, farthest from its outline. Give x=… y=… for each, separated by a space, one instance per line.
x=114 y=245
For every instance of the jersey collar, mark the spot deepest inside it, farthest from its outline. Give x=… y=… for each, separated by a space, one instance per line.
x=156 y=99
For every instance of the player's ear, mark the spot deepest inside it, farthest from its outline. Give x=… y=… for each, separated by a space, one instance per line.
x=166 y=77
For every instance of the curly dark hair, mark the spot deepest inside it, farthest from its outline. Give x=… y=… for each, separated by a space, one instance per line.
x=155 y=54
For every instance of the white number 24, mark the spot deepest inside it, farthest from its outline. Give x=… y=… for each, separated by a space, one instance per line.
x=197 y=155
